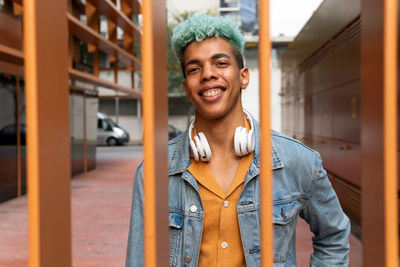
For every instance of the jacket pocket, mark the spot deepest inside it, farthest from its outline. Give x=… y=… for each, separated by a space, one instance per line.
x=175 y=228
x=285 y=218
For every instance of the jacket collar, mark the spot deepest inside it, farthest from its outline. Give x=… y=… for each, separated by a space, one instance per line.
x=179 y=158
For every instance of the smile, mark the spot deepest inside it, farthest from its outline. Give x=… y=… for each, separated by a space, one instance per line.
x=212 y=92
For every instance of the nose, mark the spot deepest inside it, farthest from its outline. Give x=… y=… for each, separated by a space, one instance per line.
x=208 y=73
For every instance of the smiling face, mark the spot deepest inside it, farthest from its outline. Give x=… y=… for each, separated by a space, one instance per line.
x=213 y=79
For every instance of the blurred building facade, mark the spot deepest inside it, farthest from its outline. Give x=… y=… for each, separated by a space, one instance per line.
x=321 y=95
x=86 y=61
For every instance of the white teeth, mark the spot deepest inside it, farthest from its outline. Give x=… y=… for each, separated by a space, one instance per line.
x=212 y=92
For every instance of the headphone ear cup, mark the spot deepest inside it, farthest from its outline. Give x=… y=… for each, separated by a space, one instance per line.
x=251 y=142
x=193 y=147
x=243 y=141
x=199 y=147
x=205 y=147
x=195 y=152
x=236 y=142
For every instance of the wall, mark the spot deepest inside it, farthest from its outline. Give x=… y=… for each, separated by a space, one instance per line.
x=321 y=96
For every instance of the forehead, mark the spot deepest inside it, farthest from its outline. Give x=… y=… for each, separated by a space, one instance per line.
x=207 y=48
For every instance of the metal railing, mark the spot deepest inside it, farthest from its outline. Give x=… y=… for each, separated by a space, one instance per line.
x=45 y=33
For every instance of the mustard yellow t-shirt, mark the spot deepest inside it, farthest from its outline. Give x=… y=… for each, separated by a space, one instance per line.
x=221 y=243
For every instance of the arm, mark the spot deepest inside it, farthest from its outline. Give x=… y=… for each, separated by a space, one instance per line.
x=330 y=225
x=135 y=251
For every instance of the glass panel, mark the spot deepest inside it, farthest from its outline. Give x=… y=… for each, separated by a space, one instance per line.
x=8 y=138
x=230 y=3
x=249 y=16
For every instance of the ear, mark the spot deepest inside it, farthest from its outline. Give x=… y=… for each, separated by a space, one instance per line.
x=244 y=78
x=186 y=87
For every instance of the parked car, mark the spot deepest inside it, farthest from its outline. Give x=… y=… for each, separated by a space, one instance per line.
x=109 y=133
x=173 y=132
x=8 y=134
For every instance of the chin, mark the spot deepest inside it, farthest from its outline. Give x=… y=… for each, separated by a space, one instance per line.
x=211 y=114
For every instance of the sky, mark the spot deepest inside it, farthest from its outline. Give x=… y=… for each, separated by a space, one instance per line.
x=289 y=16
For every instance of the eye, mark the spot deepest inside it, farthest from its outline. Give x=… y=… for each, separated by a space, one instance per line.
x=191 y=70
x=222 y=63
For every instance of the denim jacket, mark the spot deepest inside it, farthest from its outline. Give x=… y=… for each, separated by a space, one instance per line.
x=301 y=188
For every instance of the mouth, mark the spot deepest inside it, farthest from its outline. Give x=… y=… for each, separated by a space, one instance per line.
x=212 y=91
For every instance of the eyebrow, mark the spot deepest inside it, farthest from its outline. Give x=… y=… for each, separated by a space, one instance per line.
x=219 y=55
x=216 y=56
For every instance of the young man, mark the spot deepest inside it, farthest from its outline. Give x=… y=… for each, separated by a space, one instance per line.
x=214 y=199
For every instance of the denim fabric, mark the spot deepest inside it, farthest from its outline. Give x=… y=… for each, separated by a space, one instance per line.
x=301 y=188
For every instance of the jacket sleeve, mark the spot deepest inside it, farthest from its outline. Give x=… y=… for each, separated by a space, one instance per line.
x=327 y=221
x=135 y=250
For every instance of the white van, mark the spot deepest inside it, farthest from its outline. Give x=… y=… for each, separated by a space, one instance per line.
x=109 y=133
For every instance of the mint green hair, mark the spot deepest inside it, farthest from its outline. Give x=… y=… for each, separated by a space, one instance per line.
x=200 y=27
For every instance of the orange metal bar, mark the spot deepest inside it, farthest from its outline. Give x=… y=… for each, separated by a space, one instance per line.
x=129 y=40
x=112 y=34
x=379 y=132
x=390 y=82
x=93 y=21
x=84 y=77
x=88 y=35
x=267 y=237
x=122 y=19
x=18 y=9
x=10 y=68
x=154 y=60
x=11 y=55
x=48 y=149
x=134 y=4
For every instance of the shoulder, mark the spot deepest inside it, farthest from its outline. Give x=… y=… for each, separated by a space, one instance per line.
x=178 y=153
x=292 y=151
x=175 y=145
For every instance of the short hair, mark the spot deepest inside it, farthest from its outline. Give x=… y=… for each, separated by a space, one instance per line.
x=203 y=26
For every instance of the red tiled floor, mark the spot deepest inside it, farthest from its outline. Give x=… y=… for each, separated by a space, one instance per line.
x=101 y=202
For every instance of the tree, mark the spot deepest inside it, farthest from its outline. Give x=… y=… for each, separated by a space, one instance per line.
x=175 y=76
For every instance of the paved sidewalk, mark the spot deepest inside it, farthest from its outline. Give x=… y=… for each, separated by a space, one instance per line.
x=101 y=202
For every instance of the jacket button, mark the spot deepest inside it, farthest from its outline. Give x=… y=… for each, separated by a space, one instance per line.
x=193 y=208
x=187 y=259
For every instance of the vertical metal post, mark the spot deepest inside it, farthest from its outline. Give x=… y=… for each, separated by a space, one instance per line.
x=154 y=69
x=48 y=150
x=139 y=108
x=379 y=132
x=18 y=128
x=264 y=47
x=117 y=108
x=129 y=41
x=85 y=169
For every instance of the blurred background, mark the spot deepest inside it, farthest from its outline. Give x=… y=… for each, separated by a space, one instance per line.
x=315 y=98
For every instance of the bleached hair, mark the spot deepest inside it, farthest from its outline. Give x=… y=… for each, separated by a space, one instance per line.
x=203 y=26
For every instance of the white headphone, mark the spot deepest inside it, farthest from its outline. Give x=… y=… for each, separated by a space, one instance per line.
x=244 y=141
